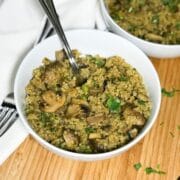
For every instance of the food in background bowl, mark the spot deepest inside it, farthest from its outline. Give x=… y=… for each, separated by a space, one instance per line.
x=156 y=20
x=154 y=49
x=105 y=112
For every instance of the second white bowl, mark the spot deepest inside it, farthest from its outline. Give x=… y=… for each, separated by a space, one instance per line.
x=150 y=48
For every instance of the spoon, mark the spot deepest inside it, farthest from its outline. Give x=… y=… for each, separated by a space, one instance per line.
x=50 y=11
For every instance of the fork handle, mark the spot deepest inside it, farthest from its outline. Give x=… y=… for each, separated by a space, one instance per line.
x=50 y=10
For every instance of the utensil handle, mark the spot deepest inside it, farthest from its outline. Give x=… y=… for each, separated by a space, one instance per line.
x=50 y=10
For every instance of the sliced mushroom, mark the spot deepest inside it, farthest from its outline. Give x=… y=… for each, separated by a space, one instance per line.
x=73 y=110
x=60 y=55
x=154 y=37
x=85 y=109
x=79 y=101
x=133 y=117
x=46 y=61
x=104 y=85
x=140 y=119
x=133 y=133
x=96 y=146
x=81 y=65
x=80 y=80
x=78 y=107
x=73 y=93
x=95 y=91
x=96 y=119
x=70 y=139
x=53 y=101
x=94 y=136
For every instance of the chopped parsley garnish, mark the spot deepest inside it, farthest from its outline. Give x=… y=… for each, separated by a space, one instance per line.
x=141 y=102
x=130 y=9
x=99 y=62
x=150 y=170
x=137 y=166
x=85 y=89
x=123 y=78
x=155 y=19
x=117 y=17
x=178 y=25
x=169 y=93
x=114 y=104
x=85 y=149
x=89 y=130
x=44 y=117
x=171 y=4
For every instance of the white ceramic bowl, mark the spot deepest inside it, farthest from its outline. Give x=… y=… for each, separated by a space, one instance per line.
x=89 y=42
x=150 y=48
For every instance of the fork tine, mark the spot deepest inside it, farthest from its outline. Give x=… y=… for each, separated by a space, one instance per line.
x=6 y=117
x=9 y=123
x=3 y=113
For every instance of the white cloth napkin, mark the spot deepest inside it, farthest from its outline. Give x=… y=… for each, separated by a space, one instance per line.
x=19 y=24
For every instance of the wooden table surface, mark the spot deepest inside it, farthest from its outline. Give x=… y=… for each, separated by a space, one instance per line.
x=161 y=146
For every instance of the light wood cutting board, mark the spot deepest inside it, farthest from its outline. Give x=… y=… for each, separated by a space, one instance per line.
x=160 y=146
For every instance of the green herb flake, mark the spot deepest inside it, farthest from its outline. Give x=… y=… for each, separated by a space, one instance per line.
x=166 y=2
x=44 y=118
x=99 y=62
x=123 y=78
x=169 y=93
x=141 y=102
x=137 y=166
x=171 y=4
x=155 y=19
x=150 y=170
x=84 y=97
x=89 y=130
x=85 y=149
x=117 y=17
x=130 y=9
x=114 y=104
x=131 y=28
x=171 y=134
x=178 y=25
x=85 y=89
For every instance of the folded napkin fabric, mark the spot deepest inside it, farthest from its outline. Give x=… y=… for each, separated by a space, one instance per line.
x=19 y=25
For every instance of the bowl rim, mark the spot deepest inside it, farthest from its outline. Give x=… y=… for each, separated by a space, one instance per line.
x=84 y=156
x=149 y=43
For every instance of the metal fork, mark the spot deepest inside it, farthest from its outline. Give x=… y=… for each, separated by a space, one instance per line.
x=8 y=112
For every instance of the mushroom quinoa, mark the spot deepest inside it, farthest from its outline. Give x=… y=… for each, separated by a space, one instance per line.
x=152 y=20
x=104 y=112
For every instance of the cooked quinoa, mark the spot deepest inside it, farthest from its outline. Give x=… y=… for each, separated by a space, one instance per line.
x=153 y=20
x=107 y=110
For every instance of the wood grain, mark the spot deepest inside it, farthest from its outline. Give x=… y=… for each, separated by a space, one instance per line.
x=32 y=161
